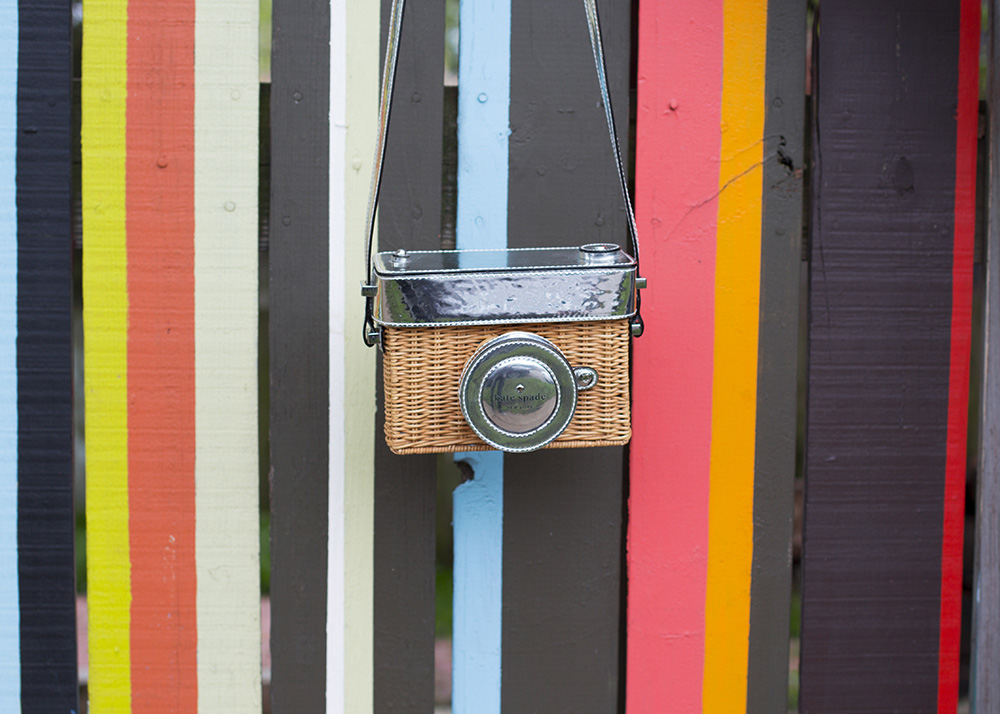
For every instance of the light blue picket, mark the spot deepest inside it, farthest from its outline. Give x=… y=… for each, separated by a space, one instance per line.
x=481 y=222
x=10 y=645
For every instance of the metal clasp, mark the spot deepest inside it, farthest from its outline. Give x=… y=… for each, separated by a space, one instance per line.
x=370 y=332
x=372 y=335
x=636 y=326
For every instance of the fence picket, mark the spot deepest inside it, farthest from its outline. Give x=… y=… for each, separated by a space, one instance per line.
x=718 y=185
x=985 y=682
x=405 y=486
x=169 y=135
x=170 y=96
x=562 y=540
x=777 y=359
x=299 y=355
x=890 y=313
x=480 y=223
x=37 y=358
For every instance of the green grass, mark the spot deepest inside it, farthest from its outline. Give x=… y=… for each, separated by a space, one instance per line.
x=81 y=553
x=442 y=601
x=795 y=613
x=265 y=40
x=265 y=553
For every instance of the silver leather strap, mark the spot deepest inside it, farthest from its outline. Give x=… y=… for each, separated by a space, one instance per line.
x=385 y=104
x=597 y=45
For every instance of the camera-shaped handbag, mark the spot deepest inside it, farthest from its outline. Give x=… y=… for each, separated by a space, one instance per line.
x=514 y=349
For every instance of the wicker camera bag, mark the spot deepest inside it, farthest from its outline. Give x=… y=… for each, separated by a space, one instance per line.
x=514 y=349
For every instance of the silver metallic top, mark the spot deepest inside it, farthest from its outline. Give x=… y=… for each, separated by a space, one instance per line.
x=428 y=288
x=415 y=262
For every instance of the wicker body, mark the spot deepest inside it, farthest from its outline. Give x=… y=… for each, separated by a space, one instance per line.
x=422 y=368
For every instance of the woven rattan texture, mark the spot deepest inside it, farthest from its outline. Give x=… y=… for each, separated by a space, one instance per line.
x=423 y=366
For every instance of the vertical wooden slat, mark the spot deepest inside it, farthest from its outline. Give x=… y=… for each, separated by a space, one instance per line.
x=564 y=186
x=410 y=218
x=10 y=621
x=169 y=151
x=337 y=546
x=677 y=180
x=889 y=339
x=718 y=183
x=227 y=471
x=953 y=535
x=477 y=625
x=105 y=318
x=736 y=302
x=985 y=685
x=299 y=354
x=561 y=591
x=562 y=539
x=774 y=467
x=410 y=199
x=404 y=579
x=353 y=117
x=481 y=223
x=44 y=462
x=159 y=244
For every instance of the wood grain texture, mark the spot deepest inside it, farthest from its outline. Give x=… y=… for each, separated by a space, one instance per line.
x=563 y=508
x=357 y=464
x=409 y=217
x=777 y=357
x=410 y=202
x=483 y=132
x=299 y=354
x=953 y=531
x=561 y=585
x=885 y=256
x=404 y=578
x=10 y=621
x=105 y=316
x=336 y=576
x=734 y=377
x=985 y=685
x=564 y=187
x=226 y=306
x=677 y=182
x=478 y=647
x=45 y=517
x=159 y=225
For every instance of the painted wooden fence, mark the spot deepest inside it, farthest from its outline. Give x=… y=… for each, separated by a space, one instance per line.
x=892 y=255
x=719 y=172
x=652 y=578
x=37 y=613
x=169 y=139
